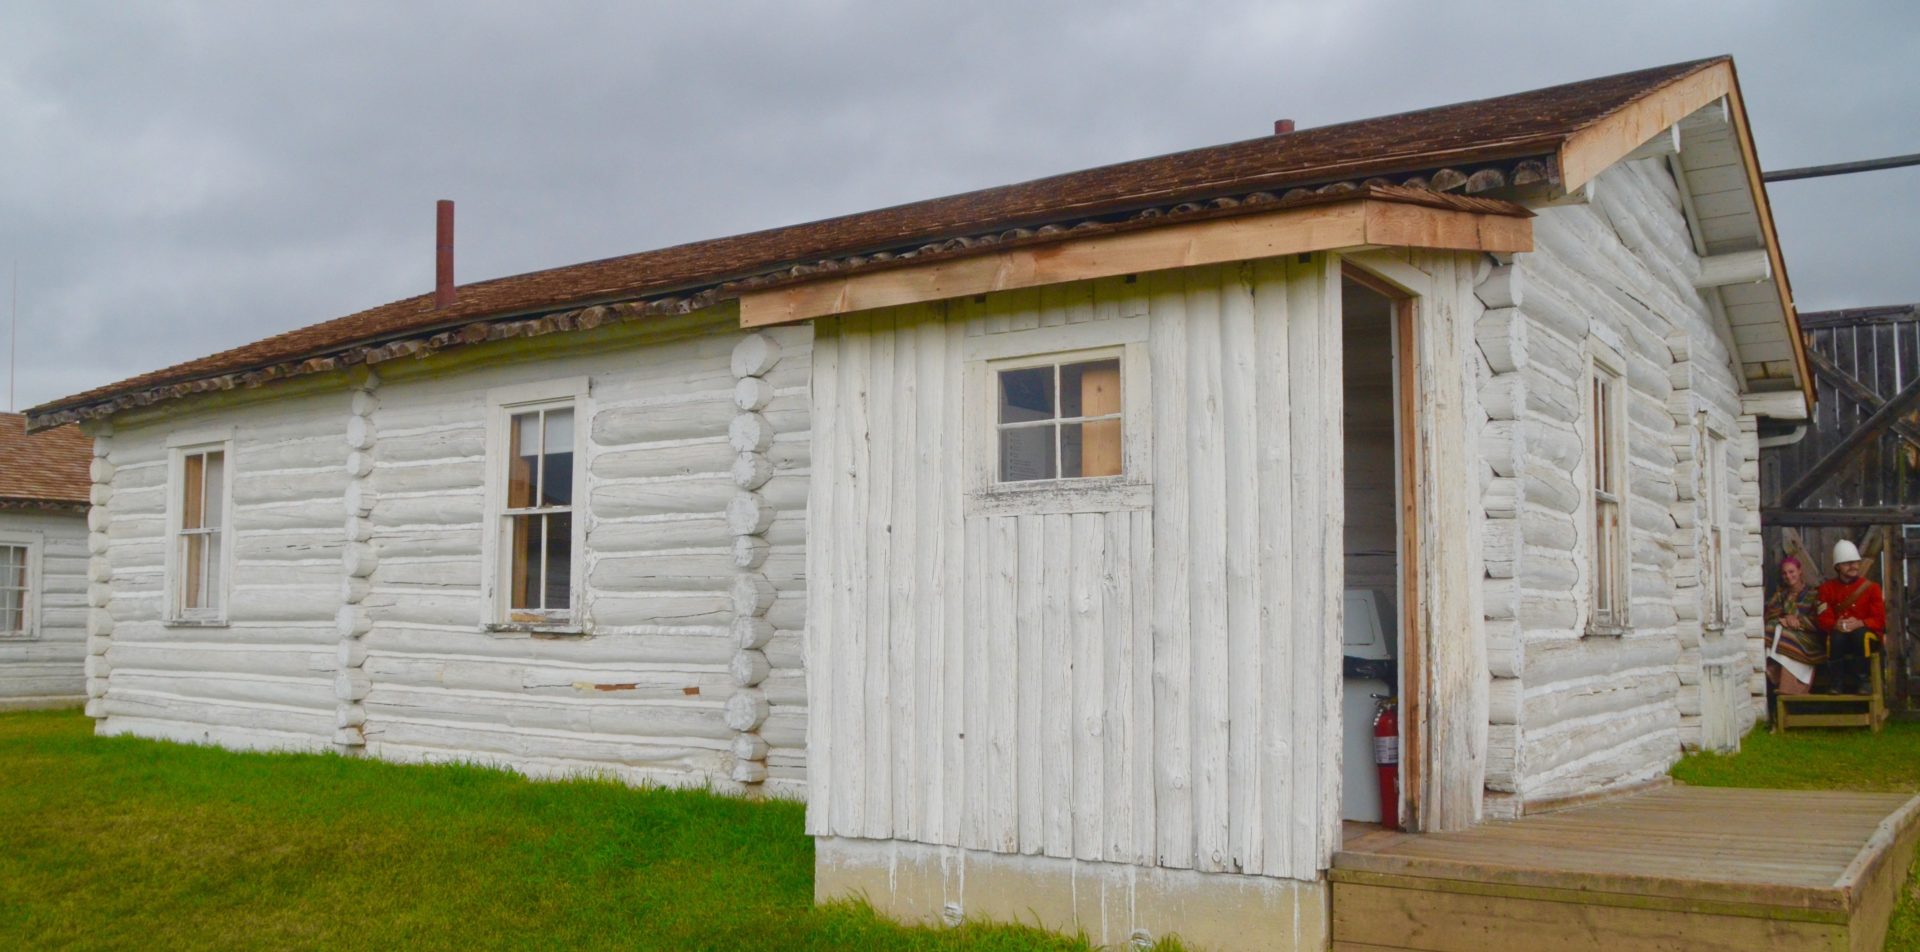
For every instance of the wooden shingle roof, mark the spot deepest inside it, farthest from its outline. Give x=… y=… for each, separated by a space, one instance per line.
x=1511 y=138
x=45 y=470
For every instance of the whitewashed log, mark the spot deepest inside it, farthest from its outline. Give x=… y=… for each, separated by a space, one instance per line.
x=1504 y=286
x=750 y=747
x=746 y=710
x=1735 y=267
x=754 y=355
x=749 y=668
x=752 y=470
x=749 y=514
x=750 y=433
x=750 y=552
x=750 y=632
x=752 y=394
x=752 y=595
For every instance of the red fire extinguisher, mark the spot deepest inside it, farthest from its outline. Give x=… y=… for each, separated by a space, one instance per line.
x=1386 y=758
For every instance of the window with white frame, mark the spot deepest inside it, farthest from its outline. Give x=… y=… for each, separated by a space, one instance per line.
x=1713 y=565
x=198 y=555
x=1606 y=468
x=19 y=587
x=536 y=535
x=1059 y=420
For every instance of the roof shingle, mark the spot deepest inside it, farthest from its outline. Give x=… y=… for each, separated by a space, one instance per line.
x=48 y=468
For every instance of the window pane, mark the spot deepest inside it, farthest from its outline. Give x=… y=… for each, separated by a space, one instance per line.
x=12 y=620
x=13 y=564
x=192 y=492
x=557 y=482
x=193 y=558
x=1090 y=449
x=1026 y=453
x=216 y=486
x=1026 y=395
x=1090 y=389
x=210 y=573
x=559 y=561
x=523 y=455
x=523 y=576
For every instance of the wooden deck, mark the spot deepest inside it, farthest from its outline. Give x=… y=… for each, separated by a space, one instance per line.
x=1678 y=868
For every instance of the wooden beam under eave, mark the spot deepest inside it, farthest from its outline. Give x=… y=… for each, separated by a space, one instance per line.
x=1249 y=237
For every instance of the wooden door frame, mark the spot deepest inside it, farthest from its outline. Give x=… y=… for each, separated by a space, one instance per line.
x=1412 y=634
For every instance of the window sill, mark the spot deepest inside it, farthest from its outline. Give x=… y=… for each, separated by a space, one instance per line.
x=17 y=636
x=1607 y=631
x=510 y=628
x=1059 y=496
x=194 y=623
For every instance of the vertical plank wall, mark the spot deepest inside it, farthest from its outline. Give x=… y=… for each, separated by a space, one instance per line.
x=1150 y=685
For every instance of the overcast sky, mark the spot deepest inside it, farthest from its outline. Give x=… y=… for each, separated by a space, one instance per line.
x=180 y=178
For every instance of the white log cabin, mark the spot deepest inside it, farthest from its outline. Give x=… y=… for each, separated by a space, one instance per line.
x=1023 y=533
x=43 y=564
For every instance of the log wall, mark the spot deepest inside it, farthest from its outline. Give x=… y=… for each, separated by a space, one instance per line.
x=47 y=669
x=1575 y=712
x=372 y=636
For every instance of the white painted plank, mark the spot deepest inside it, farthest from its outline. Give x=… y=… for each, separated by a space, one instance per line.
x=1055 y=737
x=1172 y=713
x=1206 y=559
x=1038 y=610
x=1241 y=495
x=1089 y=633
x=1273 y=421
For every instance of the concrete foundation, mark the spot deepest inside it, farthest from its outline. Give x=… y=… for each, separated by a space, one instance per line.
x=1114 y=904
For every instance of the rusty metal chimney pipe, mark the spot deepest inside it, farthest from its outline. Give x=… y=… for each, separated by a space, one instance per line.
x=1282 y=126
x=443 y=256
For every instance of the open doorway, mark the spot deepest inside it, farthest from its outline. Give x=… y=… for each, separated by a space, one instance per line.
x=1372 y=328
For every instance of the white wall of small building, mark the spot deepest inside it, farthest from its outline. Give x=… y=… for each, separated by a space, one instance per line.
x=356 y=615
x=45 y=668
x=1147 y=681
x=1574 y=713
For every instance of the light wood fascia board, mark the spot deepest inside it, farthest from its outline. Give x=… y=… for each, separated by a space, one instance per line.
x=1593 y=149
x=1239 y=238
x=1750 y=160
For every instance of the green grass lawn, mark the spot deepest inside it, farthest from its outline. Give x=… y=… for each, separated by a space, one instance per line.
x=123 y=843
x=1826 y=760
x=118 y=843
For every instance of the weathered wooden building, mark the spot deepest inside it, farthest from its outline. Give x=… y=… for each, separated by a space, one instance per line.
x=1852 y=470
x=43 y=564
x=1016 y=529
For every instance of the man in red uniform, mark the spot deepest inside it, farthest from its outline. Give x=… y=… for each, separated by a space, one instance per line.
x=1854 y=616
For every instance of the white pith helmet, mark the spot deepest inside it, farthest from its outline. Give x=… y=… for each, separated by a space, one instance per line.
x=1843 y=551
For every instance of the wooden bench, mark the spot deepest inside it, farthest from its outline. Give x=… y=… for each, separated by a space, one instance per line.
x=1834 y=710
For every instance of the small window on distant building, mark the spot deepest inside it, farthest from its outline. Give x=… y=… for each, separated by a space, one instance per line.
x=199 y=554
x=1607 y=463
x=17 y=596
x=538 y=515
x=1060 y=421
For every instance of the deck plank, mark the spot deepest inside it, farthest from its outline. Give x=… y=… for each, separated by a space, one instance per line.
x=1673 y=867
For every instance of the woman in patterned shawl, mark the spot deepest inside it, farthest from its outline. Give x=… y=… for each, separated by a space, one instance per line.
x=1795 y=646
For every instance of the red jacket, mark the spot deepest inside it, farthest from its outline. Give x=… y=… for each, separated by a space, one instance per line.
x=1870 y=608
